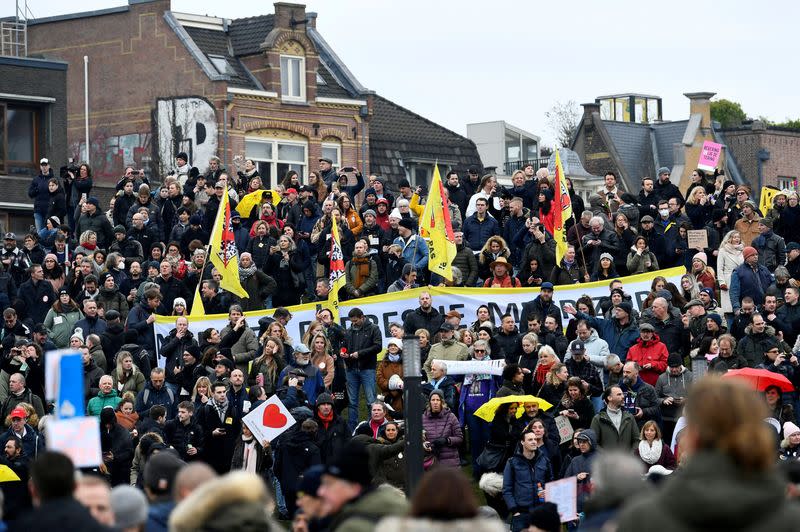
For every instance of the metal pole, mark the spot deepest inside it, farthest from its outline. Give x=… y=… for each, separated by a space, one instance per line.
x=86 y=104
x=413 y=408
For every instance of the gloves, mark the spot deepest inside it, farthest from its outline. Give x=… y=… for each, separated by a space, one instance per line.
x=438 y=443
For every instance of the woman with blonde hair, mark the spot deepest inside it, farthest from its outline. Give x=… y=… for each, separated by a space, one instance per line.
x=729 y=258
x=201 y=393
x=321 y=357
x=729 y=480
x=494 y=248
x=126 y=376
x=698 y=207
x=265 y=369
x=547 y=359
x=555 y=385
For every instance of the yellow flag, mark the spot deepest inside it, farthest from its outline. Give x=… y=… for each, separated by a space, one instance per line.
x=563 y=210
x=765 y=203
x=197 y=303
x=337 y=275
x=436 y=226
x=224 y=255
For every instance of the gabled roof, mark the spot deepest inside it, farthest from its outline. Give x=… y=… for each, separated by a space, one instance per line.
x=398 y=135
x=668 y=134
x=237 y=38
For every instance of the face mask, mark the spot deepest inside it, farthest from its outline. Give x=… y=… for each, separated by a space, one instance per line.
x=663 y=212
x=393 y=358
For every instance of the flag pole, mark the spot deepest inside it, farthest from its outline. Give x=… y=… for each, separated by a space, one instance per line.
x=580 y=243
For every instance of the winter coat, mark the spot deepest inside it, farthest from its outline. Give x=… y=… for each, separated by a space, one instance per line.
x=596 y=350
x=218 y=450
x=386 y=460
x=172 y=349
x=445 y=350
x=369 y=283
x=32 y=442
x=713 y=493
x=669 y=385
x=137 y=321
x=771 y=250
x=477 y=232
x=466 y=262
x=587 y=372
x=149 y=397
x=367 y=341
x=27 y=396
x=331 y=438
x=362 y=514
x=38 y=298
x=637 y=263
x=61 y=325
x=727 y=261
x=653 y=352
x=753 y=346
x=258 y=286
x=444 y=424
x=522 y=478
x=745 y=281
x=417 y=319
x=619 y=337
x=566 y=275
x=383 y=374
x=39 y=192
x=608 y=437
x=102 y=400
x=294 y=455
x=63 y=513
x=541 y=309
x=97 y=222
x=113 y=300
x=135 y=383
x=243 y=345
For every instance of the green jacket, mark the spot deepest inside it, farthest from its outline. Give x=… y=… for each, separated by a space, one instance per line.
x=450 y=350
x=608 y=437
x=711 y=493
x=362 y=514
x=386 y=461
x=102 y=400
x=368 y=284
x=61 y=325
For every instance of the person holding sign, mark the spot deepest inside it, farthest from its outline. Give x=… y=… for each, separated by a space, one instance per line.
x=220 y=428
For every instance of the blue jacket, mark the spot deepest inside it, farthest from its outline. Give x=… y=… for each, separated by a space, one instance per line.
x=39 y=192
x=748 y=282
x=476 y=233
x=314 y=383
x=619 y=339
x=149 y=397
x=137 y=321
x=521 y=478
x=415 y=251
x=32 y=442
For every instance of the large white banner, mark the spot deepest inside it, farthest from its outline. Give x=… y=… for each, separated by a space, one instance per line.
x=388 y=308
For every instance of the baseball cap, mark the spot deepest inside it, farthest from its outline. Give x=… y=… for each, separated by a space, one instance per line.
x=44 y=160
x=547 y=285
x=447 y=326
x=291 y=191
x=10 y=236
x=577 y=347
x=19 y=412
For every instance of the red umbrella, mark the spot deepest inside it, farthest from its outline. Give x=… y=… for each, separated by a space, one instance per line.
x=761 y=379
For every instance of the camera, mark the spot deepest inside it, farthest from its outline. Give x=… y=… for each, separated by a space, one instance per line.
x=348 y=169
x=70 y=167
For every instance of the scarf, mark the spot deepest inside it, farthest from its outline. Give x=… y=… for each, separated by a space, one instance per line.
x=87 y=245
x=650 y=454
x=541 y=372
x=734 y=248
x=220 y=408
x=326 y=420
x=249 y=454
x=362 y=270
x=246 y=273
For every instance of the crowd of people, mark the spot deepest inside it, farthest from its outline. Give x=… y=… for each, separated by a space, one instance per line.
x=619 y=371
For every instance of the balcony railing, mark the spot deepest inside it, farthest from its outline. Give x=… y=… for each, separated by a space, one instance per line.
x=512 y=166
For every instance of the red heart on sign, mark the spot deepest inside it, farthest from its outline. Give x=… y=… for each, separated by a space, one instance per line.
x=273 y=418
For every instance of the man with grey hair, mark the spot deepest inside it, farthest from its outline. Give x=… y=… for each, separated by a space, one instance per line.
x=599 y=240
x=448 y=348
x=18 y=393
x=670 y=329
x=614 y=369
x=439 y=380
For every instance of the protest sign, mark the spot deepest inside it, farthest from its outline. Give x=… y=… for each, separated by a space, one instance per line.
x=464 y=367
x=269 y=420
x=64 y=382
x=77 y=437
x=709 y=156
x=564 y=494
x=387 y=308
x=565 y=430
x=697 y=239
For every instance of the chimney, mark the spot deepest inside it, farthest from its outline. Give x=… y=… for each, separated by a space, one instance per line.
x=287 y=16
x=588 y=109
x=700 y=103
x=311 y=16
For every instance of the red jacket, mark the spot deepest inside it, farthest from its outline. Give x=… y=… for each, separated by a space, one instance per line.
x=502 y=282
x=653 y=352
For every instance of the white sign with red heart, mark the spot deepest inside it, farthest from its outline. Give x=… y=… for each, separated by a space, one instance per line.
x=269 y=420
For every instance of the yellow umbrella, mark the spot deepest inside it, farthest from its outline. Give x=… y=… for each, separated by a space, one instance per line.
x=248 y=201
x=488 y=409
x=7 y=474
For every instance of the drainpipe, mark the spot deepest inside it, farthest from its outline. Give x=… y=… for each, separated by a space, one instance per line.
x=228 y=101
x=86 y=104
x=762 y=156
x=364 y=113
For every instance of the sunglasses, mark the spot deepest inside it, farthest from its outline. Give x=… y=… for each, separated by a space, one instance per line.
x=480 y=350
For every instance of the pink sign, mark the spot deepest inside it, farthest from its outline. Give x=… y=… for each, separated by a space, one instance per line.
x=709 y=156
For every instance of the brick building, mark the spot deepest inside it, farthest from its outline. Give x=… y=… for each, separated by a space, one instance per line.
x=268 y=88
x=33 y=117
x=766 y=155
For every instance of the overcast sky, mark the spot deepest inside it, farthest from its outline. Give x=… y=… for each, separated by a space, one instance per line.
x=462 y=61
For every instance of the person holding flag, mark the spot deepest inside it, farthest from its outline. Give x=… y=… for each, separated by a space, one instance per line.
x=336 y=276
x=436 y=227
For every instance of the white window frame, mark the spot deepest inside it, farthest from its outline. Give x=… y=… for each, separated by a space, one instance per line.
x=287 y=92
x=785 y=182
x=337 y=163
x=275 y=161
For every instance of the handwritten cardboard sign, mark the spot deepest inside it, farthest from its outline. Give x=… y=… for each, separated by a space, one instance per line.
x=564 y=494
x=709 y=156
x=697 y=239
x=464 y=367
x=269 y=420
x=565 y=430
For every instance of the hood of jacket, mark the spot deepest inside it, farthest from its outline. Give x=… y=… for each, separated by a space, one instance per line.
x=237 y=501
x=769 y=330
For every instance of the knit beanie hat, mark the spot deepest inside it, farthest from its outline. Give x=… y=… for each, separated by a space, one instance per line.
x=748 y=252
x=702 y=257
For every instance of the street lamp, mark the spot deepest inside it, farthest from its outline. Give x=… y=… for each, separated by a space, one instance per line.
x=413 y=406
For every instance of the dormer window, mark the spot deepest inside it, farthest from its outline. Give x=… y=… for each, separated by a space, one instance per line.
x=222 y=65
x=293 y=79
